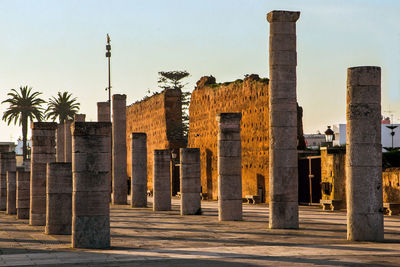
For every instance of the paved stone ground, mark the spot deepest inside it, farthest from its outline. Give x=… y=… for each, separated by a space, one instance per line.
x=141 y=237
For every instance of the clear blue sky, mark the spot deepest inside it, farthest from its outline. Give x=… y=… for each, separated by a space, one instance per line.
x=59 y=45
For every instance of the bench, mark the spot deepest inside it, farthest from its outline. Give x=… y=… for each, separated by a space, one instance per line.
x=391 y=208
x=253 y=199
x=331 y=204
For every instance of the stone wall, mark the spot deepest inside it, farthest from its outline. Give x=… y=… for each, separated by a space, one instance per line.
x=248 y=97
x=391 y=185
x=160 y=117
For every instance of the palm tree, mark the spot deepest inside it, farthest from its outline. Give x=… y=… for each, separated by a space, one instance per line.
x=24 y=105
x=63 y=107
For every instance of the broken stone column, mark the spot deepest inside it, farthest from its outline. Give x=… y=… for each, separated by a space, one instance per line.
x=11 y=193
x=43 y=151
x=364 y=155
x=59 y=198
x=229 y=167
x=23 y=193
x=283 y=177
x=161 y=180
x=119 y=172
x=103 y=112
x=90 y=194
x=79 y=117
x=67 y=141
x=190 y=181
x=139 y=170
x=60 y=135
x=7 y=163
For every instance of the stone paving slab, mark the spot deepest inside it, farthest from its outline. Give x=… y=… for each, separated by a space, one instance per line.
x=141 y=237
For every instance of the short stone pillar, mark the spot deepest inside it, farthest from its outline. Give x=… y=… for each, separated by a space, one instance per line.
x=364 y=155
x=283 y=177
x=90 y=194
x=229 y=167
x=139 y=170
x=190 y=181
x=103 y=112
x=59 y=198
x=43 y=151
x=60 y=136
x=119 y=172
x=67 y=141
x=23 y=193
x=162 y=180
x=11 y=193
x=7 y=163
x=79 y=117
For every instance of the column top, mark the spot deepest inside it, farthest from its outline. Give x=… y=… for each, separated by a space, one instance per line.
x=364 y=75
x=91 y=128
x=283 y=16
x=119 y=97
x=103 y=104
x=229 y=117
x=79 y=117
x=44 y=125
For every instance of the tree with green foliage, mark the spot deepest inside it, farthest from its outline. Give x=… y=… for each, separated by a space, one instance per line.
x=24 y=107
x=63 y=107
x=173 y=80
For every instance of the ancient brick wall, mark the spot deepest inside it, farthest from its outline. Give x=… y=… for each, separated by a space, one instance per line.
x=391 y=185
x=249 y=97
x=160 y=117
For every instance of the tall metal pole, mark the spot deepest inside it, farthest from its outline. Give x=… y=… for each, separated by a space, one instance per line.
x=108 y=56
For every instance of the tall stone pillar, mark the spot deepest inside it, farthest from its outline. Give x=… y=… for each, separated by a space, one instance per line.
x=23 y=193
x=7 y=163
x=364 y=155
x=190 y=181
x=59 y=198
x=43 y=151
x=103 y=112
x=90 y=195
x=119 y=181
x=79 y=117
x=229 y=167
x=283 y=177
x=161 y=180
x=11 y=193
x=67 y=141
x=60 y=136
x=139 y=170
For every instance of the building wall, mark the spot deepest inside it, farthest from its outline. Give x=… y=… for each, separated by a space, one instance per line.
x=391 y=185
x=160 y=117
x=248 y=97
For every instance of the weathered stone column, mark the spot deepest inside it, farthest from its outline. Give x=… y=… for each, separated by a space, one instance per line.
x=190 y=181
x=79 y=117
x=11 y=193
x=60 y=136
x=23 y=193
x=161 y=180
x=229 y=167
x=59 y=198
x=90 y=194
x=67 y=141
x=283 y=177
x=364 y=155
x=43 y=152
x=139 y=170
x=119 y=181
x=7 y=163
x=103 y=112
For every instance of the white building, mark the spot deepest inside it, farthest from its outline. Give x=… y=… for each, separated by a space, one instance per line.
x=340 y=135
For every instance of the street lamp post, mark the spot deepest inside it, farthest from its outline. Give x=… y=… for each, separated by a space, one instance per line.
x=329 y=137
x=108 y=56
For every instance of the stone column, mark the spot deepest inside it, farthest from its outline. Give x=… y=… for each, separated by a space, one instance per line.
x=79 y=117
x=190 y=181
x=60 y=155
x=364 y=155
x=11 y=193
x=103 y=112
x=119 y=181
x=90 y=195
x=229 y=167
x=23 y=193
x=161 y=180
x=283 y=177
x=67 y=141
x=139 y=170
x=43 y=151
x=7 y=163
x=59 y=198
